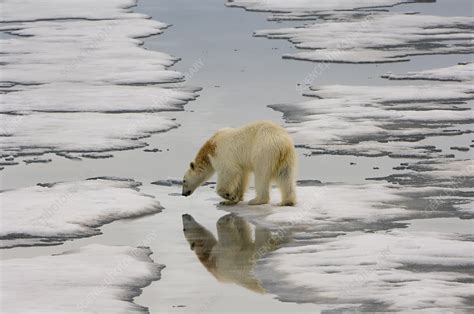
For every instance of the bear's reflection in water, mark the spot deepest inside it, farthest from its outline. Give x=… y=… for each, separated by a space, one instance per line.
x=231 y=257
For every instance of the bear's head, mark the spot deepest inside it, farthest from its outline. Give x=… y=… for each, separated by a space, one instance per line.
x=194 y=178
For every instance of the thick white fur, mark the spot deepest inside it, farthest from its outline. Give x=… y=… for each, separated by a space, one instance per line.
x=263 y=148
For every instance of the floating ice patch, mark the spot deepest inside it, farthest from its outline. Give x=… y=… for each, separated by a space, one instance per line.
x=33 y=10
x=378 y=38
x=378 y=120
x=445 y=173
x=327 y=243
x=82 y=56
x=41 y=133
x=381 y=272
x=91 y=279
x=94 y=98
x=460 y=73
x=80 y=51
x=51 y=213
x=310 y=7
x=338 y=207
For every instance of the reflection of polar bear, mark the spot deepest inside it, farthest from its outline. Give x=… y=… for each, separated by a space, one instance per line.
x=232 y=257
x=262 y=147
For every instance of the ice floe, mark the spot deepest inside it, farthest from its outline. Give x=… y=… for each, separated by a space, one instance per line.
x=81 y=59
x=21 y=10
x=347 y=241
x=378 y=120
x=91 y=279
x=80 y=51
x=378 y=38
x=382 y=271
x=444 y=173
x=359 y=32
x=49 y=214
x=337 y=208
x=309 y=7
x=460 y=72
x=39 y=133
x=325 y=207
x=94 y=98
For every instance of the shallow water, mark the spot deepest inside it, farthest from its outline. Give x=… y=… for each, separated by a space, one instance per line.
x=240 y=76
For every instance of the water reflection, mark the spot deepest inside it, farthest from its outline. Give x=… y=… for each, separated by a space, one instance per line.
x=232 y=256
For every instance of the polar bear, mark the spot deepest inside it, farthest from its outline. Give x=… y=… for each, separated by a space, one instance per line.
x=262 y=147
x=231 y=257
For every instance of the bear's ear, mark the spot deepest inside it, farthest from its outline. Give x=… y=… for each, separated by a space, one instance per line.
x=191 y=165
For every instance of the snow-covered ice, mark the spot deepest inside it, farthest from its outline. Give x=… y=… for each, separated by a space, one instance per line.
x=456 y=174
x=49 y=214
x=332 y=261
x=381 y=271
x=359 y=32
x=80 y=60
x=94 y=98
x=91 y=279
x=84 y=51
x=460 y=73
x=349 y=207
x=39 y=133
x=378 y=38
x=309 y=7
x=378 y=120
x=33 y=10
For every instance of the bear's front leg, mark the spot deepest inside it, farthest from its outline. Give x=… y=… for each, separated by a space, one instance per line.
x=228 y=187
x=228 y=203
x=243 y=185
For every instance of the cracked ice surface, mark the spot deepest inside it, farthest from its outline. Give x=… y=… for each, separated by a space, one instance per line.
x=77 y=59
x=378 y=120
x=49 y=214
x=85 y=280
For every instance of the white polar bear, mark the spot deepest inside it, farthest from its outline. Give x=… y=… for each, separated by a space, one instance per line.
x=262 y=147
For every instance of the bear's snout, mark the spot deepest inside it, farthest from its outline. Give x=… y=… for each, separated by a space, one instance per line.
x=186 y=217
x=186 y=192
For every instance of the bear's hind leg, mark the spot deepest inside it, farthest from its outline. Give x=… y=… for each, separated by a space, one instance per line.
x=286 y=183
